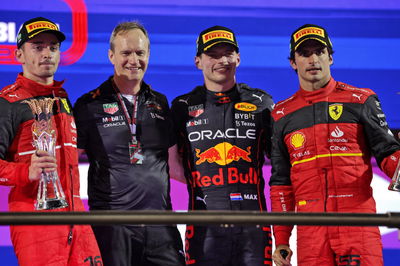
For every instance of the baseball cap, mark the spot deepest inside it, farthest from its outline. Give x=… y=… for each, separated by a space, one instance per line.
x=307 y=32
x=34 y=26
x=214 y=35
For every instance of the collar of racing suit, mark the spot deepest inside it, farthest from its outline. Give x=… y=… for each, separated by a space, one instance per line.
x=222 y=97
x=317 y=94
x=37 y=89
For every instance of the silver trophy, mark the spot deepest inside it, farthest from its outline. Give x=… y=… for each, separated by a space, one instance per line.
x=395 y=183
x=50 y=193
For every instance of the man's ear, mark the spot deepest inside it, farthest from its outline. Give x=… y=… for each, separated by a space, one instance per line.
x=331 y=59
x=293 y=64
x=111 y=56
x=19 y=55
x=197 y=62
x=238 y=60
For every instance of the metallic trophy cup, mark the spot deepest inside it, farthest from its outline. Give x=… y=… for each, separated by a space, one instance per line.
x=395 y=183
x=50 y=193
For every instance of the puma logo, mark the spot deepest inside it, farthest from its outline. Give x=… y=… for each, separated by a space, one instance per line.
x=258 y=96
x=202 y=199
x=280 y=111
x=184 y=100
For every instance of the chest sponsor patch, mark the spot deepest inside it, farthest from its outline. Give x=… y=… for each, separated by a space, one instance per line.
x=110 y=108
x=196 y=110
x=297 y=140
x=335 y=110
x=153 y=105
x=247 y=107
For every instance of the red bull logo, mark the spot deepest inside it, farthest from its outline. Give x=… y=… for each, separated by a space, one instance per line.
x=224 y=176
x=223 y=153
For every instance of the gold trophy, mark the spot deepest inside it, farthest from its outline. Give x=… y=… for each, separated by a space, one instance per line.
x=50 y=193
x=395 y=183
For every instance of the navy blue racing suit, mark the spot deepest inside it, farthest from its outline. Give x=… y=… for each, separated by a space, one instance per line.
x=223 y=138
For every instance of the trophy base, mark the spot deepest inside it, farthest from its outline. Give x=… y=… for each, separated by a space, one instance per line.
x=51 y=204
x=394 y=187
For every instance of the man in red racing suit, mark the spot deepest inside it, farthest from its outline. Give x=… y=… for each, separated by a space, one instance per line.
x=20 y=166
x=321 y=158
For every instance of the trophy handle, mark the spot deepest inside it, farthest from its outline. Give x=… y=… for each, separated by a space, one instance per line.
x=395 y=183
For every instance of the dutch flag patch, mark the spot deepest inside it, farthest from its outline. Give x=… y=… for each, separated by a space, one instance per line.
x=236 y=196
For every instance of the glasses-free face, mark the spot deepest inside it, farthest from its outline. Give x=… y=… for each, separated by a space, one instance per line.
x=218 y=64
x=40 y=57
x=312 y=62
x=130 y=55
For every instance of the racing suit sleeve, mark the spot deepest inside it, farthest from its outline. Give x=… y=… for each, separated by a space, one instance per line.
x=82 y=124
x=174 y=112
x=380 y=140
x=171 y=130
x=11 y=173
x=268 y=125
x=281 y=191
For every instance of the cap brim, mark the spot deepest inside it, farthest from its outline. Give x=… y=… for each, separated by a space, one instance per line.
x=60 y=36
x=221 y=41
x=310 y=38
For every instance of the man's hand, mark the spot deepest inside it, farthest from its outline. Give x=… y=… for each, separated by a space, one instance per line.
x=282 y=255
x=41 y=161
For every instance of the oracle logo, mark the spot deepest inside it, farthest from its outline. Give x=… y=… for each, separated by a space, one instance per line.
x=70 y=56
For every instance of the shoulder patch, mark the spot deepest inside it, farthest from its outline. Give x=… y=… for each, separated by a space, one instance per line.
x=355 y=94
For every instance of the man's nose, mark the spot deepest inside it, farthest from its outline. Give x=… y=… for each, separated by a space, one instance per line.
x=133 y=58
x=47 y=52
x=313 y=58
x=224 y=59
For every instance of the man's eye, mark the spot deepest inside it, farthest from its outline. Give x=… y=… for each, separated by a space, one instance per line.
x=213 y=55
x=304 y=54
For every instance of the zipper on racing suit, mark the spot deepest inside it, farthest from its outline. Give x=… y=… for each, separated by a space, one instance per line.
x=72 y=205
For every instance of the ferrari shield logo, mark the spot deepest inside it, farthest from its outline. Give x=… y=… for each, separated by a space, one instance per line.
x=335 y=110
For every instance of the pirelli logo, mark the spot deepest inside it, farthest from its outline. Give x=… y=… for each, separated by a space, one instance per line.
x=40 y=25
x=217 y=34
x=308 y=31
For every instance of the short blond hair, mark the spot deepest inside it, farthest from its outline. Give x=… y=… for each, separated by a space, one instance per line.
x=125 y=27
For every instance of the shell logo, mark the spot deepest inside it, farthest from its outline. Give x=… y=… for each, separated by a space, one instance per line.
x=297 y=140
x=247 y=107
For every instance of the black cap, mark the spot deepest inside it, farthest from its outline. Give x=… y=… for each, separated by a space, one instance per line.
x=34 y=26
x=307 y=32
x=213 y=36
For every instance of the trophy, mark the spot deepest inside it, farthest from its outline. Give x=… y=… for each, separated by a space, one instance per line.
x=395 y=183
x=50 y=193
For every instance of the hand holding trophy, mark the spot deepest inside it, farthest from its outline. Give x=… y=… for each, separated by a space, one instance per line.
x=50 y=193
x=395 y=184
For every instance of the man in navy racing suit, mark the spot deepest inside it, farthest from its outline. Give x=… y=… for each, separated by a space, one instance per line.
x=224 y=131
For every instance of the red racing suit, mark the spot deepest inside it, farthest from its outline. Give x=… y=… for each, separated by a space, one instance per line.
x=321 y=152
x=42 y=245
